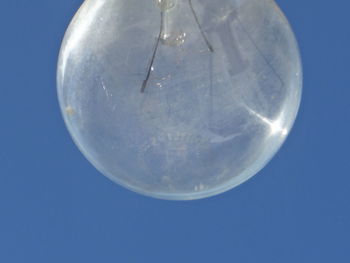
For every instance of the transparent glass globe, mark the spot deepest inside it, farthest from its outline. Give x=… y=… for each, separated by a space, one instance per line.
x=179 y=99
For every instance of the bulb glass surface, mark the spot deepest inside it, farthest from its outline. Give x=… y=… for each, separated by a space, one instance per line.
x=179 y=99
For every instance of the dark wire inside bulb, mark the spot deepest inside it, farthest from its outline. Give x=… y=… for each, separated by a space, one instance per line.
x=165 y=5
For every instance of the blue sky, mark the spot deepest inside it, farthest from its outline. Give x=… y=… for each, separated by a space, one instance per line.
x=55 y=207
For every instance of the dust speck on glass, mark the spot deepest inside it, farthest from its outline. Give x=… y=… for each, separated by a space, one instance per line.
x=179 y=99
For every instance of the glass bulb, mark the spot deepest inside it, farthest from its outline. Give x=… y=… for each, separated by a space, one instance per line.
x=179 y=99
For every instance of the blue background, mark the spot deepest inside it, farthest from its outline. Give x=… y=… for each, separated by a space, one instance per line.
x=55 y=207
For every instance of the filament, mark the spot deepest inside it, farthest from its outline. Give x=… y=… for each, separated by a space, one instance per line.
x=144 y=84
x=200 y=27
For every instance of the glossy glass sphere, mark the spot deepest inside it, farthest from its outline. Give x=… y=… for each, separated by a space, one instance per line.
x=179 y=99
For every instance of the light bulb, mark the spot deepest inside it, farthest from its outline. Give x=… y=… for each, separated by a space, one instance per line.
x=179 y=99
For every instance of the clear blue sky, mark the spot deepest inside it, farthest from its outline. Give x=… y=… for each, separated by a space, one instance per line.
x=55 y=207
